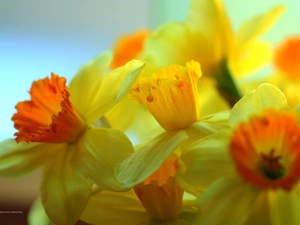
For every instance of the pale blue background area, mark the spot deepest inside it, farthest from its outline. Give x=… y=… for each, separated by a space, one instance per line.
x=39 y=37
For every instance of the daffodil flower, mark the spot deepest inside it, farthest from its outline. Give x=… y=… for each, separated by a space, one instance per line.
x=207 y=37
x=286 y=74
x=254 y=167
x=171 y=95
x=156 y=200
x=172 y=98
x=56 y=132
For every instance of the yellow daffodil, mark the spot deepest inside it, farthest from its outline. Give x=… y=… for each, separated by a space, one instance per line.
x=254 y=167
x=287 y=69
x=207 y=37
x=172 y=98
x=156 y=200
x=171 y=95
x=56 y=132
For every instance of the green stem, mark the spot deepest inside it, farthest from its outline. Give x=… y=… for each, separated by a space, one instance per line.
x=226 y=84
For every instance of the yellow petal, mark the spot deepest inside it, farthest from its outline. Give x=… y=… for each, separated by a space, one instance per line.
x=114 y=86
x=159 y=48
x=259 y=212
x=257 y=26
x=86 y=83
x=208 y=93
x=37 y=214
x=266 y=95
x=145 y=161
x=159 y=51
x=227 y=201
x=97 y=154
x=207 y=126
x=106 y=207
x=284 y=207
x=64 y=194
x=132 y=117
x=257 y=56
x=19 y=159
x=122 y=115
x=209 y=18
x=204 y=162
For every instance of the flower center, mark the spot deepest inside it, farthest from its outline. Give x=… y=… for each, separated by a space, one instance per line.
x=272 y=166
x=128 y=47
x=159 y=194
x=266 y=150
x=49 y=116
x=171 y=95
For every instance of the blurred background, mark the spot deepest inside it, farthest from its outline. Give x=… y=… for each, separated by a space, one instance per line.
x=39 y=37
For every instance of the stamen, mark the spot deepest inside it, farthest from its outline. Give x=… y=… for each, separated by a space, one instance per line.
x=271 y=166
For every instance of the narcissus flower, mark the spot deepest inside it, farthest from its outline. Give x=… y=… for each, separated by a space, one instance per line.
x=207 y=37
x=287 y=69
x=172 y=98
x=259 y=164
x=156 y=200
x=171 y=95
x=56 y=131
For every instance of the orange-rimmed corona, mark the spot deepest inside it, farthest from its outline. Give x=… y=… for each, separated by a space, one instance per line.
x=49 y=116
x=171 y=95
x=266 y=150
x=159 y=193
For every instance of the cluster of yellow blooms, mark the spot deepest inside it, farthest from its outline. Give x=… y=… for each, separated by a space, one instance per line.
x=207 y=150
